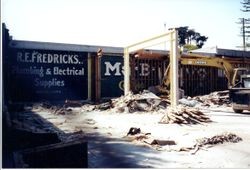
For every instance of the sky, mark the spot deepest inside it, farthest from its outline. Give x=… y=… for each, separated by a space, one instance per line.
x=121 y=22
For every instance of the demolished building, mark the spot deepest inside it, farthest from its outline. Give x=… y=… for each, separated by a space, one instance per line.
x=29 y=76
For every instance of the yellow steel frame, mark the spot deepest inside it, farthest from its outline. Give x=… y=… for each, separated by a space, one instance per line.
x=171 y=36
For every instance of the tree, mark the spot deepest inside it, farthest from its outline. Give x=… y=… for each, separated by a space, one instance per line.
x=200 y=39
x=190 y=36
x=187 y=36
x=182 y=33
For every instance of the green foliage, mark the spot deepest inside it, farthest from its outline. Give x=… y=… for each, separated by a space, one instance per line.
x=187 y=36
x=190 y=47
x=182 y=33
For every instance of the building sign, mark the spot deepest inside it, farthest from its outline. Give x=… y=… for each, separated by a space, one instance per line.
x=37 y=75
x=112 y=77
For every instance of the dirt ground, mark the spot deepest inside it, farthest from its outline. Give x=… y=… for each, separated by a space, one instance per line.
x=110 y=147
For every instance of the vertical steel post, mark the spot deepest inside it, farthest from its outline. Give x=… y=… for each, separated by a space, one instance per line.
x=97 y=79
x=174 y=87
x=126 y=72
x=89 y=77
x=148 y=43
x=244 y=34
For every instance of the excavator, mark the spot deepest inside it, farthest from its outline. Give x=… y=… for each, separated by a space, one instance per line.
x=238 y=78
x=201 y=60
x=240 y=93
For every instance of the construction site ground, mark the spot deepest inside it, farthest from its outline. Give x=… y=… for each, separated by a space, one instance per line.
x=109 y=146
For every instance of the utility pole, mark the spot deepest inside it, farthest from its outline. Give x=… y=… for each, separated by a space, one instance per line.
x=245 y=22
x=246 y=6
x=243 y=34
x=245 y=31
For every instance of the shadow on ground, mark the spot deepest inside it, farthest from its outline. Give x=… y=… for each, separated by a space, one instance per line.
x=103 y=151
x=117 y=153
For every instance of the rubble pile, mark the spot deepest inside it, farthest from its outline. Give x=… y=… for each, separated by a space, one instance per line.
x=227 y=137
x=143 y=102
x=136 y=135
x=184 y=115
x=215 y=98
x=217 y=139
x=64 y=109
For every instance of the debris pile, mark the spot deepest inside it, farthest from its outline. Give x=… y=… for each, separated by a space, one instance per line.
x=104 y=106
x=227 y=137
x=135 y=134
x=161 y=142
x=68 y=107
x=209 y=142
x=61 y=111
x=72 y=103
x=143 y=102
x=215 y=98
x=184 y=116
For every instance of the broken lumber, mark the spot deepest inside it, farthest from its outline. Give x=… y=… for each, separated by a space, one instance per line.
x=163 y=142
x=211 y=141
x=142 y=102
x=72 y=103
x=226 y=137
x=214 y=98
x=184 y=116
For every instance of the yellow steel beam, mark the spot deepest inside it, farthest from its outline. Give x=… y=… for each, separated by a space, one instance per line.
x=171 y=36
x=174 y=55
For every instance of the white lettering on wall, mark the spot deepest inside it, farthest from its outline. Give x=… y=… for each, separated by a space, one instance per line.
x=68 y=71
x=116 y=67
x=118 y=70
x=48 y=83
x=32 y=70
x=144 y=69
x=37 y=57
